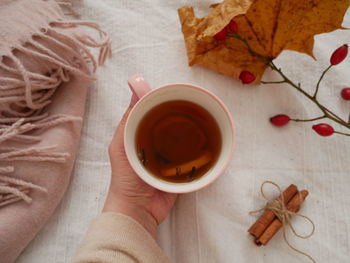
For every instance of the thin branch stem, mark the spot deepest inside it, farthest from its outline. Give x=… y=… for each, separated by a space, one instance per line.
x=327 y=112
x=319 y=81
x=245 y=42
x=332 y=113
x=342 y=133
x=273 y=82
x=306 y=120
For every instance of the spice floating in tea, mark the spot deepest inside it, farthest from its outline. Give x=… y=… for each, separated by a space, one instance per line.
x=191 y=174
x=182 y=141
x=162 y=158
x=142 y=157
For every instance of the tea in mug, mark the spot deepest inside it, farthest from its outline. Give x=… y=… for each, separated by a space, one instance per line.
x=178 y=141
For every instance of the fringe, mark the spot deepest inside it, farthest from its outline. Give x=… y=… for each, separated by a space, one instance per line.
x=24 y=94
x=68 y=5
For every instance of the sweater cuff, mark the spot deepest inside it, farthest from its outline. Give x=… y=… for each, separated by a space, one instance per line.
x=115 y=237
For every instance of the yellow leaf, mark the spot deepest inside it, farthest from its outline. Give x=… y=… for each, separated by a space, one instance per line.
x=269 y=26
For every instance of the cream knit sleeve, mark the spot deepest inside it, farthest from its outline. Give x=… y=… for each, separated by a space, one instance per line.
x=114 y=237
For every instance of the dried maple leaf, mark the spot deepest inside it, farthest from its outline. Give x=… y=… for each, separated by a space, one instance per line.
x=269 y=26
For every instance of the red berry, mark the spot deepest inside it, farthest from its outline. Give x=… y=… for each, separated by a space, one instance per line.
x=345 y=93
x=280 y=120
x=339 y=54
x=232 y=27
x=221 y=35
x=246 y=77
x=323 y=129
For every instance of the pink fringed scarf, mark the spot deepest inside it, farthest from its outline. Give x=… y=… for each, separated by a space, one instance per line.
x=45 y=67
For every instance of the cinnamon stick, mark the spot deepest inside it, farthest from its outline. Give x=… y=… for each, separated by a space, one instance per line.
x=293 y=206
x=187 y=167
x=258 y=228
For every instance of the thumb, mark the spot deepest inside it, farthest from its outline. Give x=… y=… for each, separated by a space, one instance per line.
x=119 y=133
x=133 y=100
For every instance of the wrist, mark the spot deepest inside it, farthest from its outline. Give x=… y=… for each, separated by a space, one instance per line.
x=135 y=211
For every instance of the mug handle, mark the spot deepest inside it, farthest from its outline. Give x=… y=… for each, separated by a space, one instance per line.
x=139 y=86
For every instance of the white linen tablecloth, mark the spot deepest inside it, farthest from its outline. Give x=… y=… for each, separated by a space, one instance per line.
x=211 y=225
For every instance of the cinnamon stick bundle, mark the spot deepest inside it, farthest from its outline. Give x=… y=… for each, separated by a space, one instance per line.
x=268 y=224
x=293 y=206
x=258 y=228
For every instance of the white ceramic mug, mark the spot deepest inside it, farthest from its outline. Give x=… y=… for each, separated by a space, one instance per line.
x=148 y=99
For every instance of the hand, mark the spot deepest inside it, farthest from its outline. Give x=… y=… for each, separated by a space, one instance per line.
x=128 y=193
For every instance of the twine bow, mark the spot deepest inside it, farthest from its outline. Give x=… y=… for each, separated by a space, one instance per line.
x=278 y=207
